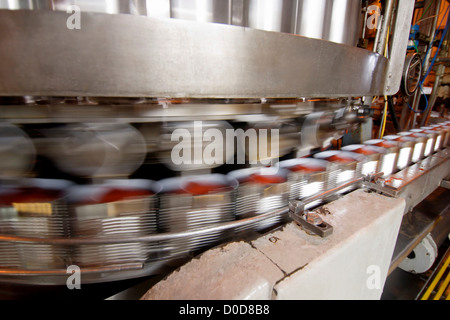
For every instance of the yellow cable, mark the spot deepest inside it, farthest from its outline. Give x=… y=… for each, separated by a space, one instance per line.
x=383 y=128
x=387 y=41
x=442 y=288
x=436 y=280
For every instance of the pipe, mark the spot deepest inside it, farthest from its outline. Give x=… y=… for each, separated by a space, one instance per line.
x=415 y=107
x=389 y=8
x=377 y=35
x=437 y=84
x=433 y=33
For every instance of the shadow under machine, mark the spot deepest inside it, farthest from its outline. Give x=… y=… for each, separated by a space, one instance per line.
x=96 y=97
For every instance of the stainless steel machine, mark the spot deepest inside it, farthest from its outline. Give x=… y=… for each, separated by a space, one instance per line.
x=125 y=127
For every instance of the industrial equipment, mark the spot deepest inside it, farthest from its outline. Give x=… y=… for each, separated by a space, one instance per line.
x=136 y=135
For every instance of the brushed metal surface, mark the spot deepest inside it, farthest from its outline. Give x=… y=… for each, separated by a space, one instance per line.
x=333 y=20
x=399 y=46
x=129 y=56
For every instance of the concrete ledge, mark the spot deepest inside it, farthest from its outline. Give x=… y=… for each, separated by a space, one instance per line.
x=235 y=271
x=290 y=264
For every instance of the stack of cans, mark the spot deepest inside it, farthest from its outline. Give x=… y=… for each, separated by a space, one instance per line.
x=389 y=160
x=118 y=209
x=190 y=203
x=406 y=149
x=443 y=133
x=431 y=138
x=343 y=167
x=420 y=141
x=372 y=154
x=34 y=208
x=307 y=178
x=260 y=190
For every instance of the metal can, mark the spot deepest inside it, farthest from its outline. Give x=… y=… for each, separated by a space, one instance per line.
x=194 y=202
x=431 y=140
x=406 y=148
x=420 y=141
x=119 y=209
x=34 y=208
x=343 y=167
x=373 y=157
x=307 y=178
x=389 y=160
x=260 y=190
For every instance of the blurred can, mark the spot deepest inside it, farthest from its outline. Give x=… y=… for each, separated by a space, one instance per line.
x=406 y=149
x=307 y=178
x=443 y=133
x=190 y=203
x=372 y=154
x=117 y=209
x=420 y=141
x=100 y=150
x=260 y=190
x=35 y=208
x=343 y=167
x=431 y=140
x=389 y=160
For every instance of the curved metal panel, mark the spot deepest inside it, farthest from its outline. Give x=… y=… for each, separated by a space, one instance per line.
x=334 y=20
x=129 y=56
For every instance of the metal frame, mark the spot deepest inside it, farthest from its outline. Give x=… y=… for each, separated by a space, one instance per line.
x=399 y=45
x=128 y=56
x=159 y=111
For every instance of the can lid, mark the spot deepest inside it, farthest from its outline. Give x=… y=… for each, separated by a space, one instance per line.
x=202 y=188
x=264 y=179
x=198 y=185
x=304 y=165
x=260 y=175
x=366 y=150
x=339 y=156
x=34 y=191
x=110 y=191
x=380 y=143
x=392 y=137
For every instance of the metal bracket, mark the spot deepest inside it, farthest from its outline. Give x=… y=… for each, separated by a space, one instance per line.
x=313 y=223
x=376 y=183
x=309 y=220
